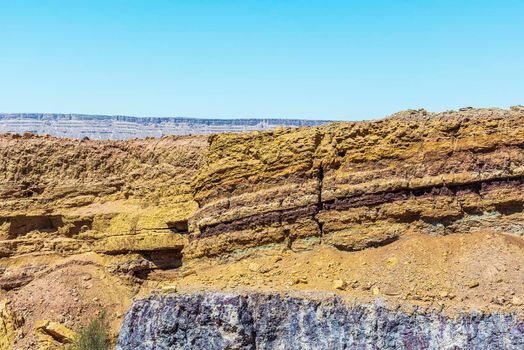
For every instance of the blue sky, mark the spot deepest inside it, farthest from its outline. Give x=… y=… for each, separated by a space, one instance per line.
x=346 y=60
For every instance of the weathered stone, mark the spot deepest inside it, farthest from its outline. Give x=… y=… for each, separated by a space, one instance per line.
x=272 y=321
x=339 y=284
x=7 y=326
x=52 y=335
x=363 y=184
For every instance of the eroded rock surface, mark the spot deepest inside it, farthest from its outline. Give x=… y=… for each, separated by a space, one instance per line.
x=417 y=209
x=364 y=184
x=83 y=222
x=275 y=321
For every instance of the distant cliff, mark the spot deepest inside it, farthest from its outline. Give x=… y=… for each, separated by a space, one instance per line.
x=103 y=127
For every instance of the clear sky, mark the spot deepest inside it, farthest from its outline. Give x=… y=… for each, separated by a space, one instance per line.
x=296 y=59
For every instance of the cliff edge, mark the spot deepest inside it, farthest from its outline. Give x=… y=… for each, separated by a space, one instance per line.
x=417 y=211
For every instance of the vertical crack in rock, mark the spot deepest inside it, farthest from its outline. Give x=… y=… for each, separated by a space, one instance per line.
x=289 y=239
x=320 y=181
x=320 y=175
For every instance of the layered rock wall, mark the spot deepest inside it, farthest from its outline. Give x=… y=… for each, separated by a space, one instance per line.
x=94 y=223
x=105 y=127
x=349 y=185
x=72 y=196
x=356 y=185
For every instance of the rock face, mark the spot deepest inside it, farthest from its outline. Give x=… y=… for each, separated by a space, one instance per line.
x=52 y=334
x=72 y=196
x=274 y=321
x=359 y=185
x=348 y=185
x=104 y=127
x=7 y=326
x=81 y=221
x=418 y=209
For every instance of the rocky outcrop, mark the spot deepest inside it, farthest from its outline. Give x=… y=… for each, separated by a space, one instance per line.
x=7 y=326
x=418 y=209
x=348 y=185
x=70 y=196
x=256 y=189
x=275 y=321
x=364 y=184
x=77 y=215
x=53 y=335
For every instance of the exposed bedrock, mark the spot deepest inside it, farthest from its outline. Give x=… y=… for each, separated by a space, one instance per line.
x=288 y=209
x=274 y=321
x=114 y=197
x=349 y=185
x=359 y=185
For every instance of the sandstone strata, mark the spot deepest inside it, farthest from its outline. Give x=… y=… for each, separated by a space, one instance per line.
x=419 y=208
x=364 y=184
x=72 y=196
x=92 y=214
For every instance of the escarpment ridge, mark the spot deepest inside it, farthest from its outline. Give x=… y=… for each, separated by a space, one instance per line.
x=419 y=208
x=106 y=127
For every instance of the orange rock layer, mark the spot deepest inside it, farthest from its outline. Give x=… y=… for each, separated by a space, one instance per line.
x=357 y=185
x=121 y=216
x=348 y=185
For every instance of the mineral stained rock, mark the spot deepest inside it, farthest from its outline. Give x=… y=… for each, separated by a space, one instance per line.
x=419 y=209
x=275 y=321
x=359 y=185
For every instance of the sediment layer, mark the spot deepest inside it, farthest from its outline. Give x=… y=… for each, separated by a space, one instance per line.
x=354 y=185
x=362 y=199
